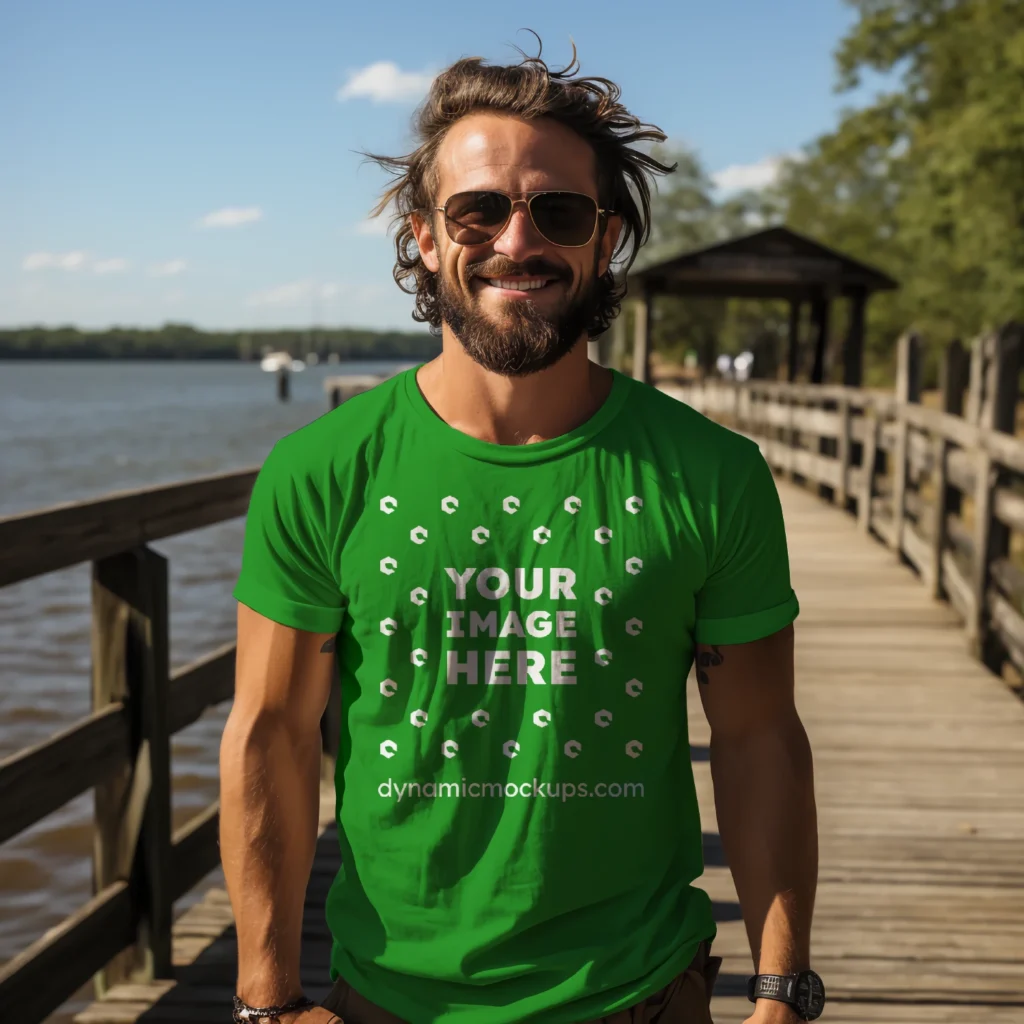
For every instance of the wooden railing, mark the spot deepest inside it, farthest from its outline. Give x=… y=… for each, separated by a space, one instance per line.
x=141 y=866
x=944 y=488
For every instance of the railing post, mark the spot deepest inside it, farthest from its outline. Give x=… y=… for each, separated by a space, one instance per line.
x=1002 y=355
x=132 y=838
x=908 y=390
x=869 y=456
x=954 y=373
x=642 y=323
x=795 y=435
x=843 y=452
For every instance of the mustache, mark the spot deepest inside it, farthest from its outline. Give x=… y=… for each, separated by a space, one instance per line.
x=496 y=267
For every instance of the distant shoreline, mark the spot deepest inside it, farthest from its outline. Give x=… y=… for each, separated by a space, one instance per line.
x=178 y=342
x=188 y=357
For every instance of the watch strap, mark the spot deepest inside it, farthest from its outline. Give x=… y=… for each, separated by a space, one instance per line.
x=773 y=986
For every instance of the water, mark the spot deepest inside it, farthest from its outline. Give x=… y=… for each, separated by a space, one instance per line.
x=71 y=431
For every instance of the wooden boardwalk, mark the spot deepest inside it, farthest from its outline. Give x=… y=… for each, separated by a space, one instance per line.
x=919 y=761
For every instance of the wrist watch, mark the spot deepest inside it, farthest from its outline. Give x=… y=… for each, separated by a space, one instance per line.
x=803 y=991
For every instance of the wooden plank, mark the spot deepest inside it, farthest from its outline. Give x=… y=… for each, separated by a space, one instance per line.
x=960 y=537
x=1010 y=580
x=1008 y=508
x=642 y=321
x=953 y=428
x=156 y=827
x=133 y=809
x=985 y=477
x=205 y=682
x=918 y=551
x=961 y=467
x=843 y=448
x=882 y=521
x=114 y=590
x=813 y=421
x=866 y=492
x=195 y=850
x=908 y=391
x=41 y=779
x=957 y=588
x=33 y=543
x=52 y=969
x=1009 y=622
x=920 y=452
x=810 y=465
x=1004 y=449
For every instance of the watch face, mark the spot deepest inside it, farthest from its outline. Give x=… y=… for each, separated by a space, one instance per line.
x=810 y=994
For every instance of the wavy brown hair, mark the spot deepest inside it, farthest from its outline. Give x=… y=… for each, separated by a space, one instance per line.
x=528 y=90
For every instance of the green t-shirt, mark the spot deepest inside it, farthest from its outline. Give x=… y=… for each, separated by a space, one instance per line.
x=516 y=808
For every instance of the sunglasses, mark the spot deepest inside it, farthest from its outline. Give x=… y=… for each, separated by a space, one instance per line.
x=567 y=219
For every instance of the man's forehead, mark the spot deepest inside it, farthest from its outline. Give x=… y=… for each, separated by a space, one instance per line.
x=489 y=151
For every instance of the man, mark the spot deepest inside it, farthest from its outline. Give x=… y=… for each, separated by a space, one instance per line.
x=519 y=555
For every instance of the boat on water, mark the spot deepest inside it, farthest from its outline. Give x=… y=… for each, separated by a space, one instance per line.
x=274 y=361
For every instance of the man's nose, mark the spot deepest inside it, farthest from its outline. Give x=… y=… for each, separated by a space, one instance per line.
x=520 y=240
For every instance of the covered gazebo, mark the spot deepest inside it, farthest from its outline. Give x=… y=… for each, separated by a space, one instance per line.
x=776 y=263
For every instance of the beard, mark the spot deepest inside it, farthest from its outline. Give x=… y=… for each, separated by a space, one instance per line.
x=520 y=340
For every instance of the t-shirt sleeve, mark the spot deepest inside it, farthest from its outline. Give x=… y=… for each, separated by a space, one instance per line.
x=747 y=594
x=285 y=574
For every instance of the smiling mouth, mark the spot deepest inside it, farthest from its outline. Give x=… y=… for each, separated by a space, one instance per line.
x=527 y=284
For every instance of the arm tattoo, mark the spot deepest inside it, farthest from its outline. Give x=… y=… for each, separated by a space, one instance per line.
x=710 y=657
x=330 y=646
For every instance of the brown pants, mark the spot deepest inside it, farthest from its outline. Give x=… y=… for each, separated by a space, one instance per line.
x=684 y=1000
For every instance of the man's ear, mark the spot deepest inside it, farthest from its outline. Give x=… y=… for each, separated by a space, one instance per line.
x=424 y=233
x=606 y=244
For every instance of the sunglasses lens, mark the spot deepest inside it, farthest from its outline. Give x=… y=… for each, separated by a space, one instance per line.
x=565 y=218
x=473 y=218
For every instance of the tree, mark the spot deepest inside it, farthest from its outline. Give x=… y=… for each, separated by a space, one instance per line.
x=926 y=182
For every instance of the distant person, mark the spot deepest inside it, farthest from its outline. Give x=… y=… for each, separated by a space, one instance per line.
x=508 y=560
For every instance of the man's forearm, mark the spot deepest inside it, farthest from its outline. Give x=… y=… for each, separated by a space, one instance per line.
x=764 y=795
x=268 y=825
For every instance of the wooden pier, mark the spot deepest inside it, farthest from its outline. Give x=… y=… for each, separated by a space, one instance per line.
x=919 y=767
x=341 y=387
x=903 y=523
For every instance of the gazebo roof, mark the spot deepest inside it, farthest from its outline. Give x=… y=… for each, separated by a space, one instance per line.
x=776 y=263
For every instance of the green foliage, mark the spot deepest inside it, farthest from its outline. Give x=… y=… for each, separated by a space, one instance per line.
x=927 y=182
x=182 y=341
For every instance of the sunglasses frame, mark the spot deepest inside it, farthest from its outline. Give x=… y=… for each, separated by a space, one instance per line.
x=525 y=197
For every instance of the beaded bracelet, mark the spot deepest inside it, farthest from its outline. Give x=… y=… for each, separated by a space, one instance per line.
x=243 y=1012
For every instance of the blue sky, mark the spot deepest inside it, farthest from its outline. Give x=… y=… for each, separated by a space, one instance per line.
x=196 y=161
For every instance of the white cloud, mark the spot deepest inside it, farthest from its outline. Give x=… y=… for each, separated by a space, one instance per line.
x=385 y=82
x=373 y=226
x=231 y=217
x=739 y=177
x=54 y=260
x=114 y=266
x=168 y=269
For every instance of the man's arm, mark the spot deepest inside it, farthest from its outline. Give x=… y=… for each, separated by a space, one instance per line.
x=764 y=796
x=270 y=794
